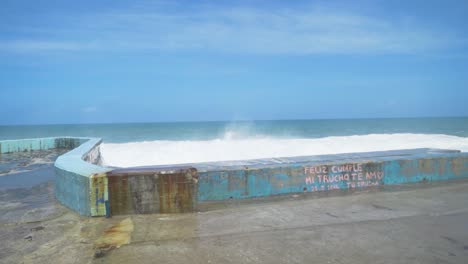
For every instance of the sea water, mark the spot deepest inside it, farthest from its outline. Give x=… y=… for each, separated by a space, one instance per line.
x=186 y=142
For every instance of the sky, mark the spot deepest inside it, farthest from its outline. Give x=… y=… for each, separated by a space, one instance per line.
x=158 y=61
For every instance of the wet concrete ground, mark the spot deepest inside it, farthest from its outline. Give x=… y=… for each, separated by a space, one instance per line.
x=416 y=224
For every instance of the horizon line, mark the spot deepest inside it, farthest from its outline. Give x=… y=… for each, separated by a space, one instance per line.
x=232 y=121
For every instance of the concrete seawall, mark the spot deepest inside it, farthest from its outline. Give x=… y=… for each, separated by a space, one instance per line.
x=78 y=181
x=23 y=145
x=265 y=177
x=85 y=186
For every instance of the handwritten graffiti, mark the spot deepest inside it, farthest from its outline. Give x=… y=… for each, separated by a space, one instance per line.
x=344 y=176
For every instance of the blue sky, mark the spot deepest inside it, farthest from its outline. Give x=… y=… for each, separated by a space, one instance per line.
x=144 y=61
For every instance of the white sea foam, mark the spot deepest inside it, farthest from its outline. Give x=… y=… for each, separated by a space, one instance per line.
x=177 y=152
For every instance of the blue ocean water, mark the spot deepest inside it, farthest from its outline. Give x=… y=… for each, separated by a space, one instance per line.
x=134 y=132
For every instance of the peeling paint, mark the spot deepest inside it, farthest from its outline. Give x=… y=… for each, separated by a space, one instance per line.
x=152 y=190
x=98 y=194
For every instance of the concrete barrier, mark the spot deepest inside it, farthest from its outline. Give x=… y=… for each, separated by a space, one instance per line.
x=264 y=177
x=85 y=186
x=80 y=183
x=22 y=145
x=152 y=190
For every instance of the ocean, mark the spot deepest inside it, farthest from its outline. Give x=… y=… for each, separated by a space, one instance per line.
x=138 y=144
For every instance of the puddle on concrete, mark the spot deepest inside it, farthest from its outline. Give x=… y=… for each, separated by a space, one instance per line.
x=34 y=227
x=27 y=169
x=27 y=188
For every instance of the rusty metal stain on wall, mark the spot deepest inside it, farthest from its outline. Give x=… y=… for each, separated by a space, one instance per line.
x=152 y=191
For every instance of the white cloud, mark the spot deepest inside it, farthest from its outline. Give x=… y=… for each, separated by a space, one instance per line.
x=89 y=109
x=27 y=45
x=241 y=30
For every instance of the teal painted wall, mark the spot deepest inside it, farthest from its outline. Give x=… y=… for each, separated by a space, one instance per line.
x=79 y=184
x=240 y=183
x=7 y=146
x=72 y=190
x=75 y=185
x=83 y=186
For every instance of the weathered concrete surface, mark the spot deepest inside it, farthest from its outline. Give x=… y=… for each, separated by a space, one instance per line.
x=418 y=226
x=93 y=190
x=33 y=225
x=143 y=191
x=79 y=183
x=419 y=223
x=427 y=224
x=275 y=176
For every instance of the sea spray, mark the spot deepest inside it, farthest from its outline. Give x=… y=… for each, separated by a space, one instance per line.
x=234 y=148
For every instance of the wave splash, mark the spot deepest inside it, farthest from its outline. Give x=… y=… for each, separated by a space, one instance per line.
x=232 y=147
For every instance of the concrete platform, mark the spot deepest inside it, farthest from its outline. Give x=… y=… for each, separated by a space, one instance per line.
x=89 y=188
x=417 y=226
x=419 y=223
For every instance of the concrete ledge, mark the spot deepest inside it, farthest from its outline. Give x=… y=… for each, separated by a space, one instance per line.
x=80 y=184
x=90 y=189
x=21 y=145
x=265 y=177
x=76 y=180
